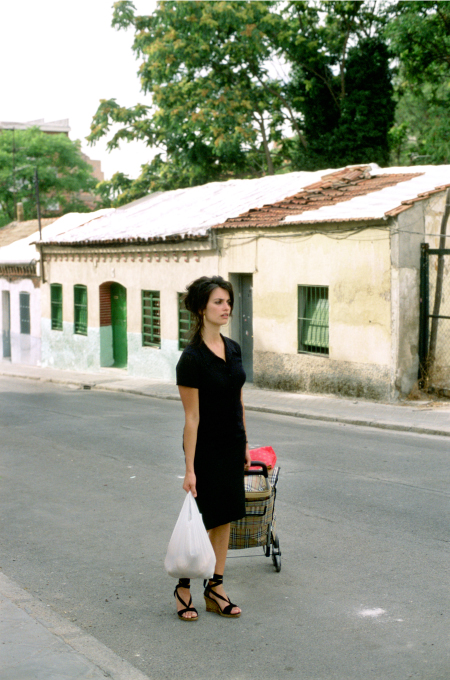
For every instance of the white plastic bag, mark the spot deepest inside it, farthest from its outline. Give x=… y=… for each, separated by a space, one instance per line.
x=190 y=553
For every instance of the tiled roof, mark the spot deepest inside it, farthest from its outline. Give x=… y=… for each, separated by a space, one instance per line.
x=14 y=231
x=333 y=188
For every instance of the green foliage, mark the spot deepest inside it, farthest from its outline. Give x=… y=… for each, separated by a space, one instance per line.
x=419 y=35
x=220 y=107
x=62 y=173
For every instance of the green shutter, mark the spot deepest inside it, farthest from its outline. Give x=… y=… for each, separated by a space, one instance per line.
x=24 y=302
x=56 y=306
x=313 y=319
x=80 y=310
x=185 y=322
x=151 y=318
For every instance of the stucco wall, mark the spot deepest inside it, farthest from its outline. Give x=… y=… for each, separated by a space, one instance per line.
x=25 y=349
x=356 y=270
x=167 y=271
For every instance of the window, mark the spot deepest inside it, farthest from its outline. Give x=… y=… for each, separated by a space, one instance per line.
x=80 y=310
x=56 y=306
x=185 y=321
x=24 y=302
x=151 y=318
x=313 y=319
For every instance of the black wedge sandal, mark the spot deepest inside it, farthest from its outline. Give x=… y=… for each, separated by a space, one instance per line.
x=185 y=583
x=212 y=605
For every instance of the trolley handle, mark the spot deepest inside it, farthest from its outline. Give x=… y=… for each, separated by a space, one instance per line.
x=260 y=464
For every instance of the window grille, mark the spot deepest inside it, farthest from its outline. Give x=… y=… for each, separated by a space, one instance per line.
x=80 y=310
x=151 y=318
x=185 y=322
x=24 y=302
x=56 y=306
x=313 y=320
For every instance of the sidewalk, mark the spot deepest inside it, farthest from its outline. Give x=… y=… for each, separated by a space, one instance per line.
x=421 y=417
x=36 y=643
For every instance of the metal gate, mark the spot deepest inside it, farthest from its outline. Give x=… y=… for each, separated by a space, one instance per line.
x=434 y=336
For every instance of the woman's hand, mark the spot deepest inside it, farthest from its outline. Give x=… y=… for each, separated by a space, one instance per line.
x=248 y=460
x=189 y=483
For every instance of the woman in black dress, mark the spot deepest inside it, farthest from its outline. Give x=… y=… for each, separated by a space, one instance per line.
x=210 y=377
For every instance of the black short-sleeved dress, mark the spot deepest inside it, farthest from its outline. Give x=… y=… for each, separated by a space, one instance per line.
x=220 y=451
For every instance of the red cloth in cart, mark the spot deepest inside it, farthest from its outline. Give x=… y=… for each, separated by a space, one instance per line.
x=266 y=455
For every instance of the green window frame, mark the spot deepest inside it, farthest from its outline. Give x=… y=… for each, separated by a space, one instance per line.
x=185 y=322
x=25 y=321
x=80 y=310
x=313 y=320
x=56 y=306
x=151 y=318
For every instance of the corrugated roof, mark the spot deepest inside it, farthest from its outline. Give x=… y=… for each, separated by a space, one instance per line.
x=356 y=193
x=189 y=212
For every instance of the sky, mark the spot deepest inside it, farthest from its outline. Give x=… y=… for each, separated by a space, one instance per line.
x=58 y=59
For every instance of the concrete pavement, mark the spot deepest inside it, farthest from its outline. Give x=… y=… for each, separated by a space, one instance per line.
x=36 y=643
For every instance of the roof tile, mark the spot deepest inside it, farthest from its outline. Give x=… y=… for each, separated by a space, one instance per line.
x=333 y=188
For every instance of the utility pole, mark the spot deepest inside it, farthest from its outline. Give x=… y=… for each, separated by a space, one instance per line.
x=38 y=204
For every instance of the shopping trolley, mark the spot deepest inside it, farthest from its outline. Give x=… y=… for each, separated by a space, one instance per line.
x=258 y=527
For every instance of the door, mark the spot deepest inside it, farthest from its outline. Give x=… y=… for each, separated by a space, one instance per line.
x=6 y=324
x=434 y=344
x=119 y=324
x=242 y=324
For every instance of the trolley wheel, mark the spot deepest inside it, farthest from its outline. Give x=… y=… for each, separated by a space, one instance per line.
x=276 y=554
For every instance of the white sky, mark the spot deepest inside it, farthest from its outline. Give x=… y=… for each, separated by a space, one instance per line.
x=58 y=59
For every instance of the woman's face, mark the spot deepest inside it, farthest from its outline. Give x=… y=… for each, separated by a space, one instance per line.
x=218 y=308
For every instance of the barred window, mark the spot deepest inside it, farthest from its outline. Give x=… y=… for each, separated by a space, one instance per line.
x=185 y=321
x=151 y=318
x=80 y=313
x=313 y=323
x=24 y=302
x=56 y=306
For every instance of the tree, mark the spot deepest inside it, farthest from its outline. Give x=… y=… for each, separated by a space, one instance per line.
x=341 y=83
x=419 y=35
x=220 y=108
x=62 y=173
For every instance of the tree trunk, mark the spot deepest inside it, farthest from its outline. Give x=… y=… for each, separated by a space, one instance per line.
x=270 y=168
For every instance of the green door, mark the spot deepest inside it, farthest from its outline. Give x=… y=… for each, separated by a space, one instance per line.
x=119 y=324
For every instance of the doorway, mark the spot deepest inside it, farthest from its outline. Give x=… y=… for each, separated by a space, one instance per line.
x=113 y=325
x=6 y=324
x=242 y=320
x=119 y=324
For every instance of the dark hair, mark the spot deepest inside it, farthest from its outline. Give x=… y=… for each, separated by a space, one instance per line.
x=197 y=297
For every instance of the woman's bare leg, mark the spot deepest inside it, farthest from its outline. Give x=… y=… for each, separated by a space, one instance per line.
x=220 y=537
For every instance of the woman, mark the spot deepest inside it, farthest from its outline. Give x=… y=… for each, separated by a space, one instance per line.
x=210 y=377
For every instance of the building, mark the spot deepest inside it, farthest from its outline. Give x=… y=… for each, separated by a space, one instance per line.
x=326 y=266
x=20 y=311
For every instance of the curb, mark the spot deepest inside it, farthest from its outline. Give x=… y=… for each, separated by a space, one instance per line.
x=107 y=661
x=381 y=425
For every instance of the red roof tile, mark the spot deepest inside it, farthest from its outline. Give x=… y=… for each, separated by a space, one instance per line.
x=333 y=188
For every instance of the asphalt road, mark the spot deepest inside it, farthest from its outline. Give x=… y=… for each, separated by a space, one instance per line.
x=90 y=490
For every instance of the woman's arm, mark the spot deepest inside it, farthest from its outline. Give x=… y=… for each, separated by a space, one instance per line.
x=248 y=460
x=189 y=399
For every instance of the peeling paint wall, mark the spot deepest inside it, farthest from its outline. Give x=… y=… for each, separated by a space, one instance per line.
x=168 y=272
x=356 y=269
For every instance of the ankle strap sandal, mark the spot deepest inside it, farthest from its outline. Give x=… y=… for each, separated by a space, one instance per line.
x=185 y=583
x=212 y=603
